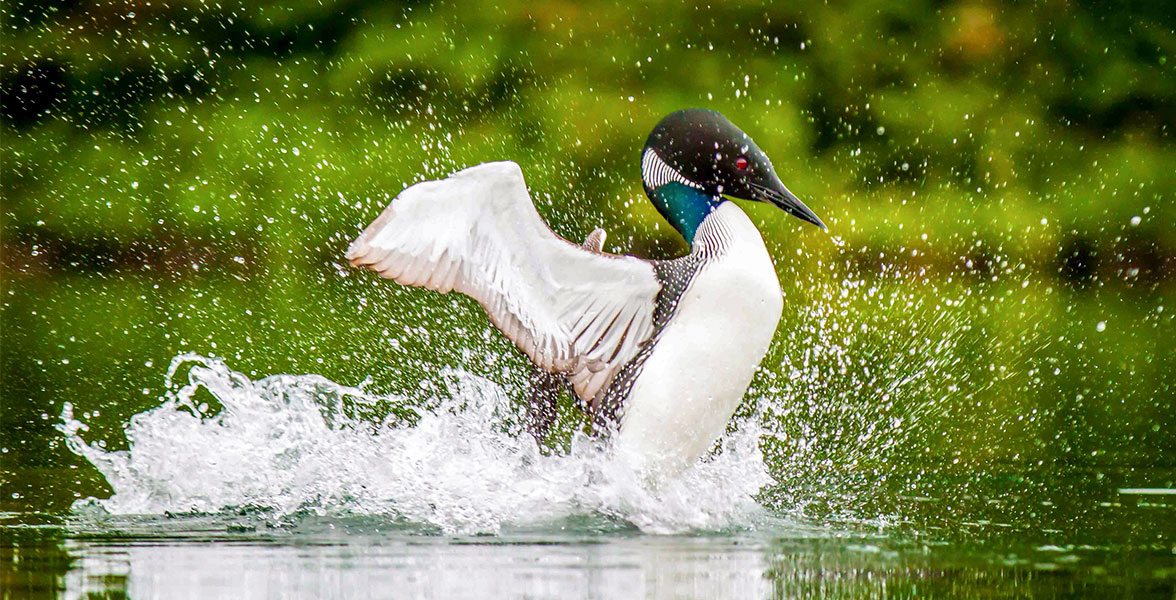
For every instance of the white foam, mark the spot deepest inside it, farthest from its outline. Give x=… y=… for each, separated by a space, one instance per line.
x=291 y=443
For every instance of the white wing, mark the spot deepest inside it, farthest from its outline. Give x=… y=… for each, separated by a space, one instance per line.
x=570 y=310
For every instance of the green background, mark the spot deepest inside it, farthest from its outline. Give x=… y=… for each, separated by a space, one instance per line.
x=993 y=296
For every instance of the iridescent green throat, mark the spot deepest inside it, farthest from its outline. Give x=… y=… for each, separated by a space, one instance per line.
x=684 y=207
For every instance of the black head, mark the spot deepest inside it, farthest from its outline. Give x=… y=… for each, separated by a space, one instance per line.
x=715 y=156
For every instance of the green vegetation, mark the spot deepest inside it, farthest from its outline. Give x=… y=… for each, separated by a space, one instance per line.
x=184 y=177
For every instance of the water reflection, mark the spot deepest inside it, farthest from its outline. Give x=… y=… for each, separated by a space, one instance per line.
x=249 y=557
x=406 y=568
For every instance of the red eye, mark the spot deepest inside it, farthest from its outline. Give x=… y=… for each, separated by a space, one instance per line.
x=741 y=163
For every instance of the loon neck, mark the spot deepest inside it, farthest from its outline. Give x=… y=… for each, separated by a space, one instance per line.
x=684 y=207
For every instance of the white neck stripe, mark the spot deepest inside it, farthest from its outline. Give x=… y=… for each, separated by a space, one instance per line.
x=656 y=173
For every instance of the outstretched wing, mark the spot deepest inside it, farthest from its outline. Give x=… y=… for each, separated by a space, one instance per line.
x=571 y=310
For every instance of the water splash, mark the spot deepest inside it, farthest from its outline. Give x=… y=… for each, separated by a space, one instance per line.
x=863 y=380
x=297 y=443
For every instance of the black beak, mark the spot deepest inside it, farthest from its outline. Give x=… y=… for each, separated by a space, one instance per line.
x=784 y=199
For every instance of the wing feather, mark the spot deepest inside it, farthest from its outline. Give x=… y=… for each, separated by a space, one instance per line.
x=572 y=310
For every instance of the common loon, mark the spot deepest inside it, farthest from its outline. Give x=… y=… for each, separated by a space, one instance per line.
x=659 y=351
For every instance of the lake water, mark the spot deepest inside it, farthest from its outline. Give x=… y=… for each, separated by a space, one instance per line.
x=306 y=556
x=284 y=487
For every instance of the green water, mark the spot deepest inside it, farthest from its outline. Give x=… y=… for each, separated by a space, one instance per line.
x=1004 y=479
x=1016 y=377
x=1071 y=537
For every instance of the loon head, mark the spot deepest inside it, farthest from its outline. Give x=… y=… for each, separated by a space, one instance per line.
x=694 y=159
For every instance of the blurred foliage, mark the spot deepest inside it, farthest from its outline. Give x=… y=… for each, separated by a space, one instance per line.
x=185 y=176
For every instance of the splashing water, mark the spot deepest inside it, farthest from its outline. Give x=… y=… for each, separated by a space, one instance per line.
x=292 y=443
x=842 y=400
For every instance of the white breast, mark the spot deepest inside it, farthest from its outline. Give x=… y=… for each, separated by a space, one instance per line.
x=705 y=358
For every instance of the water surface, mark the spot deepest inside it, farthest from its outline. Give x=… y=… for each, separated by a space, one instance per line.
x=255 y=556
x=289 y=486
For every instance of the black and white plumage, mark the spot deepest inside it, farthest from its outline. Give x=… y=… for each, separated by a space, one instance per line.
x=661 y=352
x=656 y=173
